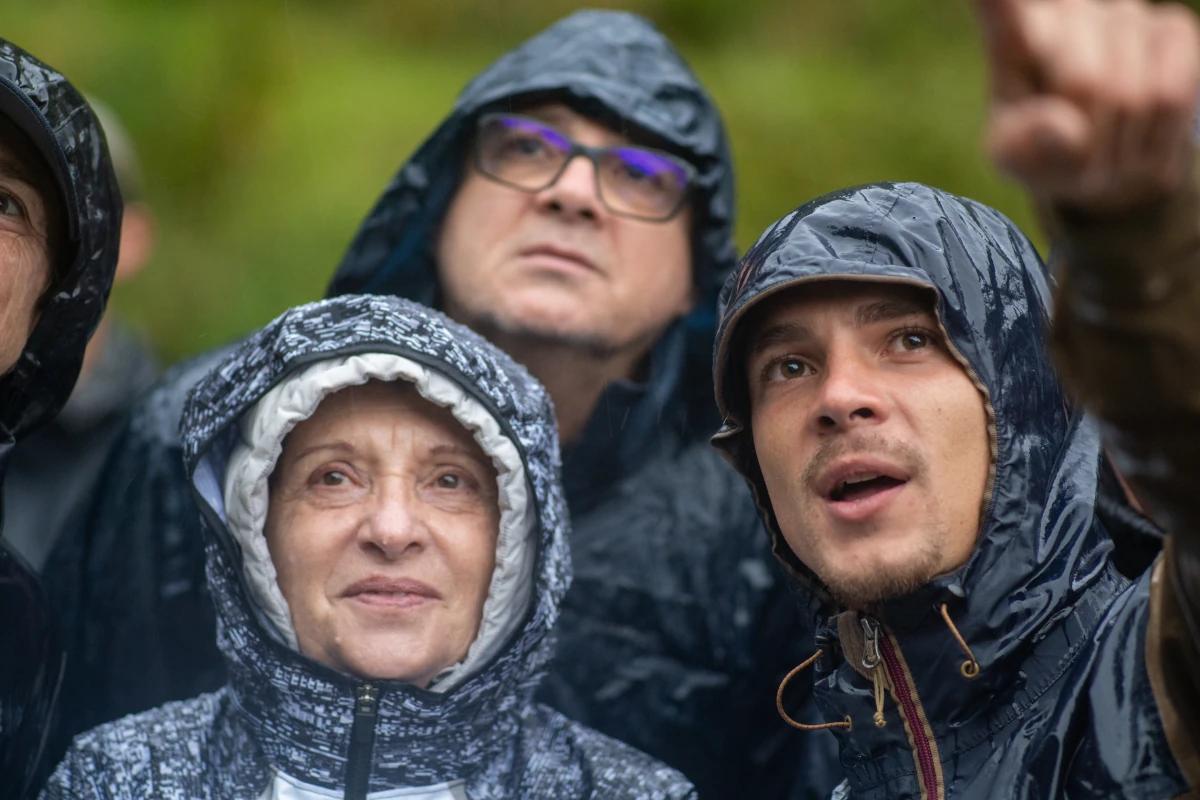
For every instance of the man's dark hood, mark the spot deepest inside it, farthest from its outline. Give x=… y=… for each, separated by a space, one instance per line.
x=1038 y=547
x=65 y=132
x=617 y=68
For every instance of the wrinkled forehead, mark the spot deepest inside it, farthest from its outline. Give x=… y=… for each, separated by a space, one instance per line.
x=372 y=415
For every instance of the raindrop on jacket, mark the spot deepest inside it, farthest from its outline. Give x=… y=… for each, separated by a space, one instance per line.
x=1062 y=705
x=671 y=634
x=55 y=118
x=287 y=726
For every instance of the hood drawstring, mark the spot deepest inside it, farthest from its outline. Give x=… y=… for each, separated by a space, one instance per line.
x=804 y=726
x=969 y=668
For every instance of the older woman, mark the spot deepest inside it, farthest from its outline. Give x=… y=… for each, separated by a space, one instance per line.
x=387 y=554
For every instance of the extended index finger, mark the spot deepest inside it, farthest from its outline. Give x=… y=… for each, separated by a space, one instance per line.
x=1007 y=42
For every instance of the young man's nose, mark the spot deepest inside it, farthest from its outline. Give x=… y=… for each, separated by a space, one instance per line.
x=394 y=523
x=573 y=195
x=849 y=395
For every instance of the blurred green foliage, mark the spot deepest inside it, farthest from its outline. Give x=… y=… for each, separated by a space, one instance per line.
x=267 y=129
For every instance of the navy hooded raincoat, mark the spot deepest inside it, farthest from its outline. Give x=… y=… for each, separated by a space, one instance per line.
x=62 y=129
x=285 y=726
x=670 y=634
x=1062 y=704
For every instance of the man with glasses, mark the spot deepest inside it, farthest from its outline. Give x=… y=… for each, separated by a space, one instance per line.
x=579 y=271
x=576 y=207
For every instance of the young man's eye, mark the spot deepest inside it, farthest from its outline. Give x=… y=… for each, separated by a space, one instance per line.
x=785 y=369
x=912 y=339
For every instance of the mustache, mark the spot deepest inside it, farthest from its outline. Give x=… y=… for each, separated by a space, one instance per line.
x=875 y=444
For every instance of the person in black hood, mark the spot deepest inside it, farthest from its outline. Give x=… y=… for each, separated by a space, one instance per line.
x=576 y=207
x=387 y=548
x=60 y=214
x=882 y=366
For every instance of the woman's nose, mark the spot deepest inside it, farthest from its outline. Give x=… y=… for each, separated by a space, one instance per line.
x=394 y=524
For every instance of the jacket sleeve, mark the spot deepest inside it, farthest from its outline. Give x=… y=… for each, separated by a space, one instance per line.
x=82 y=774
x=1127 y=342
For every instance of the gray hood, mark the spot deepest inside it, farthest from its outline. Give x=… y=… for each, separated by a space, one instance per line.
x=303 y=714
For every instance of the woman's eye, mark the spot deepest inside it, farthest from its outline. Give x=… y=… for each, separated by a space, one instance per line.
x=334 y=477
x=449 y=480
x=9 y=206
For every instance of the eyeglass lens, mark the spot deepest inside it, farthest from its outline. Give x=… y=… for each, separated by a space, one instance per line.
x=529 y=154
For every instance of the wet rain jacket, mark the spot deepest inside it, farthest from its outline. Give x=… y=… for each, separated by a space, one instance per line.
x=282 y=714
x=676 y=612
x=1062 y=705
x=58 y=122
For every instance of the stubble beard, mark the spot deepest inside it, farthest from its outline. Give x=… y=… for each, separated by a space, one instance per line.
x=877 y=580
x=873 y=584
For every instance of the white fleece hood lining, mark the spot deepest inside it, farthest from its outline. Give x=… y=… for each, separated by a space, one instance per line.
x=262 y=430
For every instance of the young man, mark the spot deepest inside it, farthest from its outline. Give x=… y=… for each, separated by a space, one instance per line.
x=881 y=366
x=60 y=214
x=575 y=207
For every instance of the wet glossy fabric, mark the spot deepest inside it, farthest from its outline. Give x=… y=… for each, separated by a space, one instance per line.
x=283 y=713
x=62 y=128
x=677 y=611
x=1063 y=705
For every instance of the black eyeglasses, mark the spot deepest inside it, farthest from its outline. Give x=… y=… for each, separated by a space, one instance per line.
x=530 y=155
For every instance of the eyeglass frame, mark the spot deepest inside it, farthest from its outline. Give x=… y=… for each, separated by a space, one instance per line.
x=592 y=154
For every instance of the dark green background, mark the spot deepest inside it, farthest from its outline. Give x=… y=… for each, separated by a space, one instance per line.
x=267 y=129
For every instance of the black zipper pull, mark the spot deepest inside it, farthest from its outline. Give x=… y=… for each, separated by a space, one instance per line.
x=362 y=741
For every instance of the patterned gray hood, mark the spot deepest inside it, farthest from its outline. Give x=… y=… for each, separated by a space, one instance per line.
x=302 y=714
x=285 y=726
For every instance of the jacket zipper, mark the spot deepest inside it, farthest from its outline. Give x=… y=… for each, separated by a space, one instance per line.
x=880 y=651
x=362 y=741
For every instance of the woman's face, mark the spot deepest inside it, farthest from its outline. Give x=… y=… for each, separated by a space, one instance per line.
x=382 y=527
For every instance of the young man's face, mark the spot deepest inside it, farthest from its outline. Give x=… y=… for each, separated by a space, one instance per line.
x=872 y=439
x=557 y=264
x=24 y=242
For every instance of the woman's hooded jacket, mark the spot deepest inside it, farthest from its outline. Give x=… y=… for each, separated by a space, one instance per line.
x=61 y=127
x=287 y=727
x=666 y=628
x=1048 y=693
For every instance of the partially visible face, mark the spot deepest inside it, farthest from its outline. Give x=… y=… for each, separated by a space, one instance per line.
x=24 y=243
x=382 y=527
x=872 y=439
x=556 y=265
